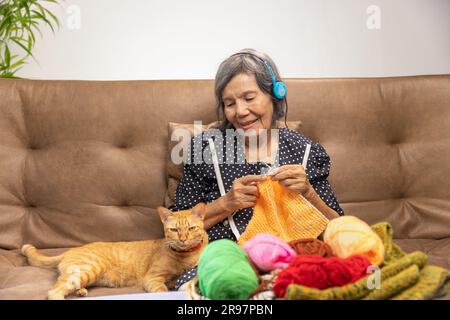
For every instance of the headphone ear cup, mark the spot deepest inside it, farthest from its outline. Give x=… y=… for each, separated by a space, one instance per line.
x=279 y=90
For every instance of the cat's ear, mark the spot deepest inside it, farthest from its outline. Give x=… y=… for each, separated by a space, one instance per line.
x=199 y=210
x=164 y=213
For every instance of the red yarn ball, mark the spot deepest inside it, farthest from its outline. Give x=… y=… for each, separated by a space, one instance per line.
x=318 y=272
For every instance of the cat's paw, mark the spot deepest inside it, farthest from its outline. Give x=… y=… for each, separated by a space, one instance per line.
x=82 y=292
x=155 y=287
x=55 y=295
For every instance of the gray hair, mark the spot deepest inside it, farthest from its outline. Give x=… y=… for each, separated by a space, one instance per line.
x=247 y=63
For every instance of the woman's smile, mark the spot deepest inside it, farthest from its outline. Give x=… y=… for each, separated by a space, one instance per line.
x=247 y=124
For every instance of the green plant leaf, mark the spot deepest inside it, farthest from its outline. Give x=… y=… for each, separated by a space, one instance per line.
x=19 y=21
x=7 y=56
x=5 y=25
x=30 y=33
x=35 y=25
x=44 y=18
x=17 y=66
x=53 y=17
x=19 y=43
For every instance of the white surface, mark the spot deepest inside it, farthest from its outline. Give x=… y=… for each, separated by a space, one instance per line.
x=173 y=295
x=179 y=39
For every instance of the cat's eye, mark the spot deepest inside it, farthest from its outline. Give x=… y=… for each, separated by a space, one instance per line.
x=192 y=228
x=173 y=229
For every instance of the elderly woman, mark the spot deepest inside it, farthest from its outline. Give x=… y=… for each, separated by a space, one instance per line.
x=250 y=98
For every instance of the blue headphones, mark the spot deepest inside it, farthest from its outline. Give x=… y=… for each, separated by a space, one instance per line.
x=278 y=87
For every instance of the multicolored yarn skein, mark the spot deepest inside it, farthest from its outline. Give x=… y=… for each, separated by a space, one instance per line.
x=225 y=273
x=348 y=236
x=268 y=252
x=318 y=272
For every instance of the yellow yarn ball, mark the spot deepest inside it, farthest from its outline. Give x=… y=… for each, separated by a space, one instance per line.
x=348 y=236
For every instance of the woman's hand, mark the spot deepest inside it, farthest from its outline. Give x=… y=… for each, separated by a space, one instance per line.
x=243 y=193
x=293 y=177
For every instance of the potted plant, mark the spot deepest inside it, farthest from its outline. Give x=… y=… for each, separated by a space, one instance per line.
x=19 y=22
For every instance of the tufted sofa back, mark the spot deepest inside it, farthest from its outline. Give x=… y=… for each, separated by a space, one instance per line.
x=84 y=161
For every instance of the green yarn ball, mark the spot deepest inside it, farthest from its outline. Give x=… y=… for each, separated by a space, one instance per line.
x=224 y=272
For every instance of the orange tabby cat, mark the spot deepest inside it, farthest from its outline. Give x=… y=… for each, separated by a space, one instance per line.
x=150 y=264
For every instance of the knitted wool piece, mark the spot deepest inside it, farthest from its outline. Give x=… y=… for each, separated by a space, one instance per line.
x=431 y=277
x=395 y=284
x=283 y=213
x=400 y=277
x=360 y=288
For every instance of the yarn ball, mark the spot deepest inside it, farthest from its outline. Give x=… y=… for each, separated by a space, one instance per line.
x=348 y=236
x=311 y=246
x=318 y=272
x=268 y=252
x=224 y=272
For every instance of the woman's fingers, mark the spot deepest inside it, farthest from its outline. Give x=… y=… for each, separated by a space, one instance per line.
x=289 y=171
x=248 y=198
x=295 y=185
x=291 y=182
x=286 y=174
x=245 y=180
x=248 y=201
x=249 y=190
x=244 y=192
x=248 y=204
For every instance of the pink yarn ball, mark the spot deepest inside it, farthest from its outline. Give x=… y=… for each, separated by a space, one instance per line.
x=269 y=252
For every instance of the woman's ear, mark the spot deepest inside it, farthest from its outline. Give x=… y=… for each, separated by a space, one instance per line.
x=164 y=213
x=199 y=210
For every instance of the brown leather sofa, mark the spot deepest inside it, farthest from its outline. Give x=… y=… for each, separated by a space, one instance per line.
x=84 y=161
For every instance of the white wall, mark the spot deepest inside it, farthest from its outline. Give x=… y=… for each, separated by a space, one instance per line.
x=187 y=39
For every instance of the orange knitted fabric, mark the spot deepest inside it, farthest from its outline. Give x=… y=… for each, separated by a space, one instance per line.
x=283 y=213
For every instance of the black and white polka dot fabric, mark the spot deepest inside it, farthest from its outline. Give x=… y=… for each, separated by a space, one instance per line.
x=199 y=183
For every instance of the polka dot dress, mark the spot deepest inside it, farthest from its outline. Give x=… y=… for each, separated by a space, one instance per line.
x=199 y=183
